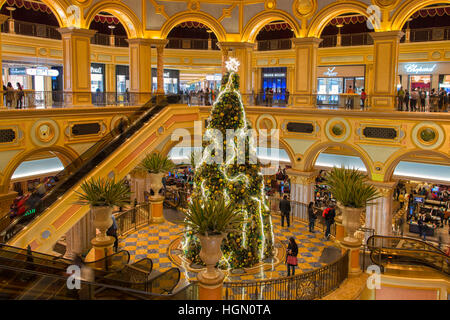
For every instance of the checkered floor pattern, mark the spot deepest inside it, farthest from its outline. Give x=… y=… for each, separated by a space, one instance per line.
x=153 y=242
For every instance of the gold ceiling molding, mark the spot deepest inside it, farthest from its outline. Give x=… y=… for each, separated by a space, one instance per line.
x=159 y=9
x=386 y=4
x=194 y=5
x=226 y=12
x=270 y=4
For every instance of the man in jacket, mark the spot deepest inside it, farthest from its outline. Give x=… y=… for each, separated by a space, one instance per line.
x=285 y=208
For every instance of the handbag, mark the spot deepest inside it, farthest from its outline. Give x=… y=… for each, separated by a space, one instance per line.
x=292 y=260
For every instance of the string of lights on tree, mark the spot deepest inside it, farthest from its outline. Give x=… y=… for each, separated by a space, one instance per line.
x=240 y=182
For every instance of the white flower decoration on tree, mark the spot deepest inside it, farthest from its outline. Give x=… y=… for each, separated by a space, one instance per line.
x=232 y=64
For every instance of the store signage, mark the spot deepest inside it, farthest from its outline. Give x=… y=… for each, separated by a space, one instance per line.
x=213 y=77
x=96 y=70
x=330 y=72
x=42 y=72
x=30 y=212
x=274 y=75
x=17 y=71
x=419 y=68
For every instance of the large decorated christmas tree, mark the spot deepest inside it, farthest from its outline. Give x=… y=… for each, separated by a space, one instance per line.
x=237 y=178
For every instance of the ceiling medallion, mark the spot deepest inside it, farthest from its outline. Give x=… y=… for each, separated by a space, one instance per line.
x=304 y=8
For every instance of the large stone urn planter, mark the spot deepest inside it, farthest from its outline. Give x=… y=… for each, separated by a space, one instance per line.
x=102 y=221
x=156 y=182
x=210 y=255
x=351 y=221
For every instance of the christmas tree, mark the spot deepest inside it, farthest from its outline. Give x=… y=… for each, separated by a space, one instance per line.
x=237 y=178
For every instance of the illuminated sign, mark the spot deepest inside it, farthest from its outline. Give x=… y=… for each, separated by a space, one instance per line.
x=29 y=212
x=330 y=72
x=96 y=70
x=419 y=68
x=42 y=72
x=17 y=71
x=274 y=75
x=214 y=77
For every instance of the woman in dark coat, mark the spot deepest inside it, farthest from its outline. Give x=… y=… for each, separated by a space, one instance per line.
x=311 y=216
x=291 y=258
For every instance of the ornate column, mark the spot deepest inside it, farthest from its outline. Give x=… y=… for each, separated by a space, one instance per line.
x=379 y=215
x=156 y=209
x=77 y=65
x=3 y=18
x=140 y=70
x=160 y=45
x=138 y=185
x=385 y=64
x=306 y=56
x=225 y=51
x=78 y=238
x=302 y=185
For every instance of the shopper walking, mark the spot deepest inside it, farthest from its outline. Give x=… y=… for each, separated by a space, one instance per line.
x=328 y=214
x=406 y=100
x=311 y=216
x=291 y=256
x=422 y=96
x=287 y=94
x=285 y=208
x=434 y=101
x=112 y=232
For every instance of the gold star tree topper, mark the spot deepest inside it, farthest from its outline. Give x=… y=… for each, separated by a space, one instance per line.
x=232 y=64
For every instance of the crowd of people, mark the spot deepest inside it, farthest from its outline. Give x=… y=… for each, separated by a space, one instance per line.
x=422 y=101
x=13 y=97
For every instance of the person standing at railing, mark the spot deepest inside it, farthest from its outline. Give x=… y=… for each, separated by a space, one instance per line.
x=400 y=99
x=291 y=256
x=312 y=216
x=423 y=96
x=9 y=95
x=363 y=99
x=287 y=94
x=112 y=232
x=285 y=208
x=20 y=95
x=350 y=91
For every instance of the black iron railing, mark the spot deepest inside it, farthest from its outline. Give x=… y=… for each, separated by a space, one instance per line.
x=133 y=219
x=276 y=44
x=305 y=286
x=196 y=44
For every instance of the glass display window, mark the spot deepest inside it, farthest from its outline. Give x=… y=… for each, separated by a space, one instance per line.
x=420 y=82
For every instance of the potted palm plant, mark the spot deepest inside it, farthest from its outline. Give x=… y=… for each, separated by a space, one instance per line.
x=102 y=195
x=157 y=166
x=352 y=192
x=211 y=222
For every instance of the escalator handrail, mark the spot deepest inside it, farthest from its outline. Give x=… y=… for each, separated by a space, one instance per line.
x=64 y=278
x=38 y=255
x=87 y=159
x=435 y=249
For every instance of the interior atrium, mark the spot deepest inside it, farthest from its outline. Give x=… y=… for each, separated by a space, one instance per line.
x=225 y=150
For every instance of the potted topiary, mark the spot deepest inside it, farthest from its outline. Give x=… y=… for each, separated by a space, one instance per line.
x=211 y=222
x=157 y=166
x=102 y=195
x=353 y=194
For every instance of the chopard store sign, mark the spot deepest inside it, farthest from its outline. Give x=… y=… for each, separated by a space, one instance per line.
x=417 y=68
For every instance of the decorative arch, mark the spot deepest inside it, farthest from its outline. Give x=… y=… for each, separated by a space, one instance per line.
x=126 y=16
x=313 y=152
x=407 y=9
x=256 y=23
x=197 y=16
x=58 y=7
x=66 y=155
x=333 y=10
x=395 y=159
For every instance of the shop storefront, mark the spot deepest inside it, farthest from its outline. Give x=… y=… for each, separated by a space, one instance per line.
x=426 y=76
x=171 y=81
x=97 y=77
x=335 y=80
x=275 y=79
x=122 y=78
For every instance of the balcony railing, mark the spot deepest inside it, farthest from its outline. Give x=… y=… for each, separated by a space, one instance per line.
x=277 y=44
x=59 y=99
x=428 y=34
x=196 y=44
x=32 y=30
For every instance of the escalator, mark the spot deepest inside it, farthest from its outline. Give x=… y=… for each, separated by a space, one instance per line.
x=52 y=214
x=29 y=275
x=385 y=250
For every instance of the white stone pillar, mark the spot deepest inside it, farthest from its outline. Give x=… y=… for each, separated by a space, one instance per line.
x=302 y=185
x=379 y=215
x=78 y=238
